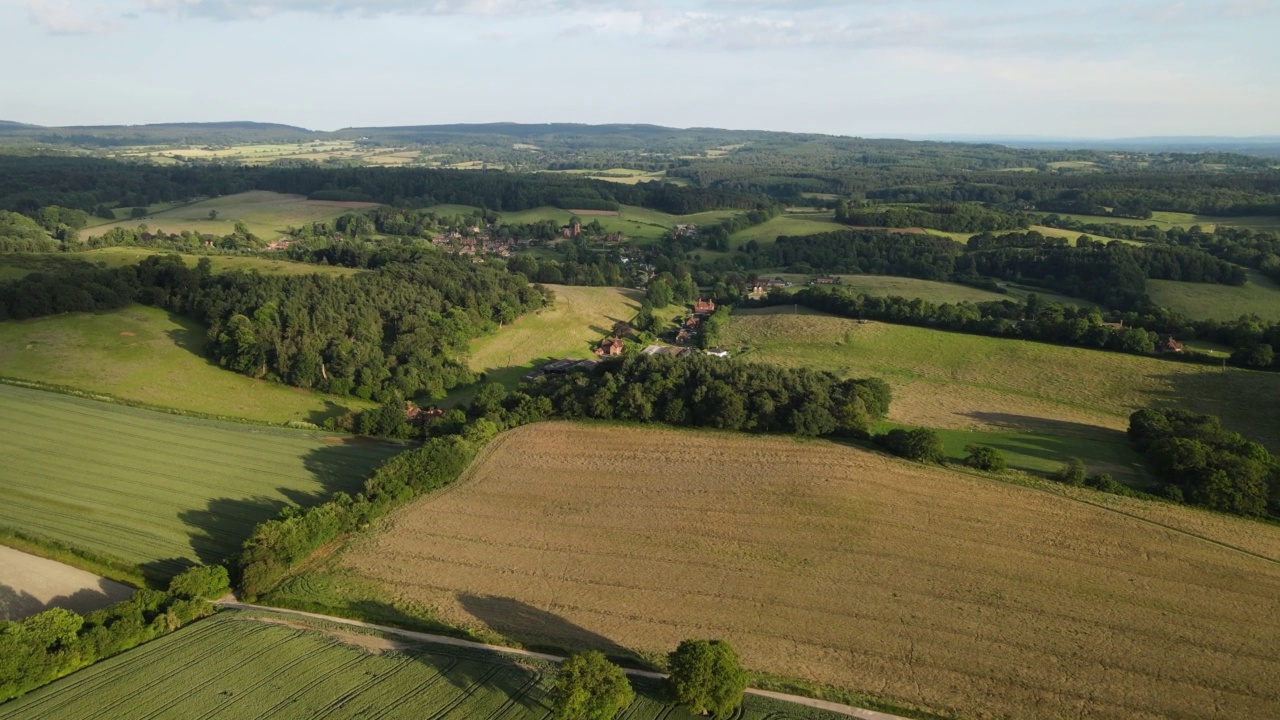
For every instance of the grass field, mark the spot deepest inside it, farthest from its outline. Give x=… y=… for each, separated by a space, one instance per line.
x=1075 y=401
x=845 y=567
x=633 y=222
x=790 y=224
x=884 y=285
x=582 y=316
x=1166 y=220
x=266 y=214
x=18 y=265
x=260 y=665
x=1204 y=301
x=146 y=355
x=155 y=490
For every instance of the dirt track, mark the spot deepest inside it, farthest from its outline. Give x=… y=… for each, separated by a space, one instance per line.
x=30 y=584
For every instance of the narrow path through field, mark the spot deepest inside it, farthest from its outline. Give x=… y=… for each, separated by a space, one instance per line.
x=230 y=603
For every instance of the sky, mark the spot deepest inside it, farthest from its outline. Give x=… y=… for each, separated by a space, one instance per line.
x=875 y=68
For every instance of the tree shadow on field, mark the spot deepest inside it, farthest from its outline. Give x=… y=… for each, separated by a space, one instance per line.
x=541 y=631
x=1047 y=426
x=1242 y=399
x=19 y=604
x=217 y=531
x=190 y=337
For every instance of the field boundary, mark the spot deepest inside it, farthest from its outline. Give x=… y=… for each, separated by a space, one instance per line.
x=76 y=557
x=849 y=710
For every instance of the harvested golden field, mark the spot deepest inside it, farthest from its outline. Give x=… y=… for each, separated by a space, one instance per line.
x=841 y=566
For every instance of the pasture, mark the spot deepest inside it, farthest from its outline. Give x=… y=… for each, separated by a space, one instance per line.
x=580 y=318
x=18 y=265
x=1204 y=301
x=266 y=214
x=158 y=491
x=789 y=224
x=146 y=355
x=1166 y=220
x=974 y=383
x=818 y=560
x=633 y=222
x=257 y=665
x=886 y=285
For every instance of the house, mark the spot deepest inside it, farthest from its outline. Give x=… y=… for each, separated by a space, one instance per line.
x=704 y=307
x=1169 y=345
x=717 y=352
x=610 y=347
x=683 y=337
x=1114 y=325
x=572 y=231
x=826 y=280
x=692 y=322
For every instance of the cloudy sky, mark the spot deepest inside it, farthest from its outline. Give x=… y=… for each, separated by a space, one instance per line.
x=865 y=67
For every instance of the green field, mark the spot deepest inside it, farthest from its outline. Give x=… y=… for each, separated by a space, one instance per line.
x=886 y=285
x=266 y=214
x=789 y=224
x=1044 y=402
x=157 y=490
x=146 y=355
x=633 y=222
x=18 y=265
x=1207 y=301
x=1166 y=220
x=262 y=665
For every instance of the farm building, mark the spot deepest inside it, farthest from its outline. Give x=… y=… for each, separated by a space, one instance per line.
x=610 y=347
x=1169 y=345
x=718 y=352
x=665 y=350
x=704 y=307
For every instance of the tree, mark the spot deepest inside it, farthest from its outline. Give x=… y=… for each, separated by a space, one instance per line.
x=985 y=458
x=138 y=212
x=920 y=444
x=202 y=581
x=213 y=214
x=659 y=294
x=589 y=687
x=707 y=676
x=1072 y=472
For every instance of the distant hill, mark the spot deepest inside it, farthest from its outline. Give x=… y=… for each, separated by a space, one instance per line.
x=210 y=133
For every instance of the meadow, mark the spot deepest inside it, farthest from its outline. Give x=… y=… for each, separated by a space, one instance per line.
x=257 y=665
x=633 y=222
x=885 y=285
x=1166 y=220
x=796 y=224
x=924 y=586
x=581 y=317
x=266 y=214
x=1062 y=401
x=159 y=491
x=14 y=266
x=1205 y=301
x=146 y=355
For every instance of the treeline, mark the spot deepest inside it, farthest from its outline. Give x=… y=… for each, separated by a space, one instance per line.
x=1242 y=246
x=281 y=543
x=402 y=329
x=50 y=644
x=949 y=217
x=703 y=391
x=1201 y=463
x=716 y=236
x=30 y=183
x=1110 y=274
x=1033 y=320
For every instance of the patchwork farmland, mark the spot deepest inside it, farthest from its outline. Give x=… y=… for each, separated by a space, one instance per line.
x=844 y=567
x=250 y=665
x=157 y=490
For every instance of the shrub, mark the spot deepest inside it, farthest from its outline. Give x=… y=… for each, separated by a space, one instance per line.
x=1072 y=472
x=920 y=444
x=589 y=687
x=985 y=458
x=707 y=676
x=203 y=581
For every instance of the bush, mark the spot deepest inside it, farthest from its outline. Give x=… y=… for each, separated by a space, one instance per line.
x=981 y=457
x=589 y=687
x=920 y=444
x=1072 y=472
x=707 y=676
x=203 y=581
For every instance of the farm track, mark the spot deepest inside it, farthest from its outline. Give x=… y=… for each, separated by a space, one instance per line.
x=518 y=652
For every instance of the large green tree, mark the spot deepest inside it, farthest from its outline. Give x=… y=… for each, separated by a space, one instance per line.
x=707 y=676
x=589 y=687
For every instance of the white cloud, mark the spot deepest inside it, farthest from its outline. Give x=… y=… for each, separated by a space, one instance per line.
x=61 y=17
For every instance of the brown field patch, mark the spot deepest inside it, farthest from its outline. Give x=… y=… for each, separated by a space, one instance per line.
x=846 y=567
x=127 y=333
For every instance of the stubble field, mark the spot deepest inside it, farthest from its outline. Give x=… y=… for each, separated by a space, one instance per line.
x=845 y=567
x=257 y=665
x=156 y=490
